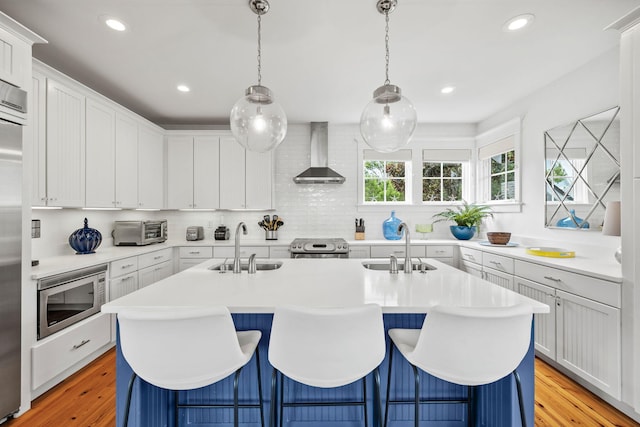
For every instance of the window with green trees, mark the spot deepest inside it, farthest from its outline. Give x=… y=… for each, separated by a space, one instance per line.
x=442 y=181
x=385 y=181
x=503 y=176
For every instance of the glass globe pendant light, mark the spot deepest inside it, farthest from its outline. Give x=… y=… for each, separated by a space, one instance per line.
x=258 y=123
x=389 y=119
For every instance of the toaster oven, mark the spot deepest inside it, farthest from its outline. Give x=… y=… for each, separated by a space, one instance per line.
x=139 y=233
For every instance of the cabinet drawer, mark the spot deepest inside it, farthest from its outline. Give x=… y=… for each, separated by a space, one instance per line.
x=279 y=252
x=123 y=266
x=439 y=251
x=397 y=250
x=55 y=354
x=196 y=252
x=359 y=251
x=123 y=285
x=497 y=262
x=471 y=255
x=153 y=258
x=471 y=268
x=578 y=284
x=245 y=251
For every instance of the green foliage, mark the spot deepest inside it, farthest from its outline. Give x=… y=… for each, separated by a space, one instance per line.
x=384 y=181
x=468 y=215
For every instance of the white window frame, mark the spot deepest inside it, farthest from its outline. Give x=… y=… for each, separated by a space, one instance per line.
x=498 y=140
x=398 y=156
x=462 y=156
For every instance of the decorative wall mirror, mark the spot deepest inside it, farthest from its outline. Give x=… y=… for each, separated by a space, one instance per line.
x=582 y=171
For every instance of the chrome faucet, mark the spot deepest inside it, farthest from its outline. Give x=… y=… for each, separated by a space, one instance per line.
x=408 y=267
x=236 y=258
x=393 y=264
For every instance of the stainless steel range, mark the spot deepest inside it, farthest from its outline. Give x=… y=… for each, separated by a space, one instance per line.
x=319 y=248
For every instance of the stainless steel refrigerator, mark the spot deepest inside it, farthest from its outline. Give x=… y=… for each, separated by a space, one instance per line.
x=10 y=252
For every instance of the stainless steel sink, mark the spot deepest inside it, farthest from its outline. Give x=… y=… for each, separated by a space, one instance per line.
x=260 y=266
x=385 y=266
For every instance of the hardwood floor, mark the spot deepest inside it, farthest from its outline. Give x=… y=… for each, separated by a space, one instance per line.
x=87 y=399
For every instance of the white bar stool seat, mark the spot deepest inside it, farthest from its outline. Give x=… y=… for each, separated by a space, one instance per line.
x=465 y=346
x=184 y=348
x=326 y=348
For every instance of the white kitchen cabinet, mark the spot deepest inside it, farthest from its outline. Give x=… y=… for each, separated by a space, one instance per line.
x=498 y=277
x=150 y=168
x=472 y=268
x=586 y=315
x=245 y=251
x=359 y=251
x=59 y=352
x=192 y=172
x=100 y=178
x=443 y=253
x=154 y=273
x=246 y=177
x=193 y=255
x=123 y=285
x=384 y=251
x=15 y=55
x=65 y=156
x=39 y=143
x=126 y=162
x=279 y=252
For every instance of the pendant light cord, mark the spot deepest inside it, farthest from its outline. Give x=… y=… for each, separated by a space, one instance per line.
x=386 y=45
x=259 y=50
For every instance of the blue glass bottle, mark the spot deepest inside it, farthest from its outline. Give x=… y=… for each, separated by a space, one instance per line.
x=390 y=227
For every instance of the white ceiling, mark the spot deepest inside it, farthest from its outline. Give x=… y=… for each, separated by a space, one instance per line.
x=321 y=58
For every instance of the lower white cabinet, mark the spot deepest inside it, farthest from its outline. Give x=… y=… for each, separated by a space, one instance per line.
x=190 y=256
x=63 y=350
x=384 y=251
x=359 y=251
x=499 y=278
x=123 y=285
x=245 y=251
x=154 y=273
x=582 y=332
x=279 y=252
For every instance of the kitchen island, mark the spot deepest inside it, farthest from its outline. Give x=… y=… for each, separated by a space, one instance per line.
x=405 y=300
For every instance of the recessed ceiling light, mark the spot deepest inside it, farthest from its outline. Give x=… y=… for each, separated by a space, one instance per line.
x=114 y=23
x=518 y=22
x=183 y=88
x=447 y=89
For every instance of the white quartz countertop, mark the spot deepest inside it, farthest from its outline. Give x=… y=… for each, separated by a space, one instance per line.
x=322 y=283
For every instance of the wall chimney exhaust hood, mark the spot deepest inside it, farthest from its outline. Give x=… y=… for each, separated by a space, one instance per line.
x=319 y=172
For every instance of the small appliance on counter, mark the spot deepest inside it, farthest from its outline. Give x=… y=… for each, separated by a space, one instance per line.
x=139 y=233
x=195 y=232
x=221 y=233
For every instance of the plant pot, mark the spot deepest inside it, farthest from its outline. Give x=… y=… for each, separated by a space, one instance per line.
x=462 y=232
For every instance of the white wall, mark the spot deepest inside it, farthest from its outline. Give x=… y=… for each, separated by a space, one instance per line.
x=590 y=89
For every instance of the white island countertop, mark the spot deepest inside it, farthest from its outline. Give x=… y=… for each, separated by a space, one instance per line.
x=322 y=283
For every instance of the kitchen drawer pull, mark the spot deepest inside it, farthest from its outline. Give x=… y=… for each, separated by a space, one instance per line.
x=441 y=252
x=398 y=252
x=158 y=257
x=126 y=279
x=471 y=257
x=126 y=266
x=194 y=252
x=553 y=279
x=77 y=346
x=497 y=264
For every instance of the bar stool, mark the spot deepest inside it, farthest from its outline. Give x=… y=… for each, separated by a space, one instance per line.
x=465 y=346
x=187 y=348
x=326 y=348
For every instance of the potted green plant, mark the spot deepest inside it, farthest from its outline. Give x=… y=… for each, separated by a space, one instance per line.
x=467 y=217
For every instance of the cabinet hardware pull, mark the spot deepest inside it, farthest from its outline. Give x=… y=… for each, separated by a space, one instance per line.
x=497 y=264
x=553 y=279
x=194 y=252
x=157 y=257
x=77 y=346
x=471 y=257
x=124 y=279
x=127 y=266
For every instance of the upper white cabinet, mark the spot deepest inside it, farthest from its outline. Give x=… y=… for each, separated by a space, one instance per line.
x=39 y=143
x=246 y=177
x=150 y=168
x=101 y=155
x=65 y=146
x=126 y=162
x=14 y=57
x=192 y=172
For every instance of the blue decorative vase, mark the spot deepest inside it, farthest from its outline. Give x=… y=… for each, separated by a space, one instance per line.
x=462 y=232
x=572 y=220
x=390 y=227
x=85 y=240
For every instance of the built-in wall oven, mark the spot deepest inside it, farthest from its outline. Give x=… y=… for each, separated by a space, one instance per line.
x=67 y=298
x=319 y=248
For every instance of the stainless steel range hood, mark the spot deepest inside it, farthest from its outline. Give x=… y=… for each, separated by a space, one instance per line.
x=319 y=172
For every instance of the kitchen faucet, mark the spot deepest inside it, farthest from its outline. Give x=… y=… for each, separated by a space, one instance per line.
x=236 y=258
x=408 y=268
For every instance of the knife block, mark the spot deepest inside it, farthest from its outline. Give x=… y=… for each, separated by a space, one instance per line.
x=359 y=235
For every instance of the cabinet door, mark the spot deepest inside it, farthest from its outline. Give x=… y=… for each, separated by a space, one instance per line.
x=471 y=268
x=545 y=324
x=123 y=285
x=39 y=140
x=362 y=252
x=152 y=274
x=498 y=277
x=65 y=146
x=232 y=174
x=180 y=172
x=588 y=340
x=185 y=263
x=15 y=56
x=206 y=173
x=101 y=155
x=259 y=180
x=150 y=168
x=126 y=169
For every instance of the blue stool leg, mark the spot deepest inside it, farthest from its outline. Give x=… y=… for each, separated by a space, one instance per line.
x=259 y=388
x=416 y=410
x=523 y=418
x=235 y=398
x=386 y=405
x=129 y=391
x=274 y=401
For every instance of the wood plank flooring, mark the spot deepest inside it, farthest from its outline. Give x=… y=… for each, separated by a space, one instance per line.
x=87 y=399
